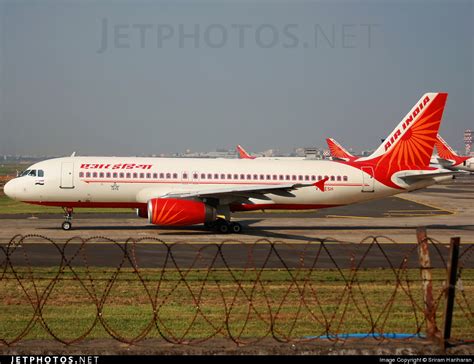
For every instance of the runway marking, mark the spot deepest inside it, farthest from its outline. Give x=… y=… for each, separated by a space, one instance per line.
x=428 y=204
x=401 y=214
x=348 y=217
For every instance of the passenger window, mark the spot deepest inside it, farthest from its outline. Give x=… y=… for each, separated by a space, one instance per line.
x=175 y=175
x=320 y=178
x=332 y=178
x=293 y=178
x=345 y=178
x=185 y=176
x=81 y=174
x=236 y=176
x=281 y=177
x=300 y=177
x=94 y=174
x=155 y=175
x=275 y=177
x=255 y=176
x=108 y=175
x=142 y=175
x=306 y=178
x=40 y=173
x=216 y=176
x=288 y=177
x=115 y=175
x=135 y=175
x=203 y=176
x=249 y=176
x=313 y=178
x=195 y=175
x=162 y=175
x=168 y=175
x=209 y=176
x=242 y=176
x=339 y=178
x=88 y=174
x=128 y=175
x=222 y=176
x=262 y=176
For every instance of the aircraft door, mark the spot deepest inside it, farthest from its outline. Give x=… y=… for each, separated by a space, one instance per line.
x=67 y=175
x=368 y=179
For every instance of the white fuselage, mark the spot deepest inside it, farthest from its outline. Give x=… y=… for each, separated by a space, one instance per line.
x=132 y=182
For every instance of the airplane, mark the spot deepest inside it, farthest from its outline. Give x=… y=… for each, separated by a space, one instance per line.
x=183 y=191
x=243 y=153
x=338 y=151
x=450 y=160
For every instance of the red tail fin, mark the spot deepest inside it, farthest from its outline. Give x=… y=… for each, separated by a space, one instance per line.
x=411 y=144
x=444 y=150
x=337 y=151
x=243 y=154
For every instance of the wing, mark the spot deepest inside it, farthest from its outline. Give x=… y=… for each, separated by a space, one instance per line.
x=249 y=191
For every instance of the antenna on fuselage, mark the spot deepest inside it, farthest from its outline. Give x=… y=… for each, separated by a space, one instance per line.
x=73 y=154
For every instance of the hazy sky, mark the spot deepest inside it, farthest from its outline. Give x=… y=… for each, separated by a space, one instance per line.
x=169 y=75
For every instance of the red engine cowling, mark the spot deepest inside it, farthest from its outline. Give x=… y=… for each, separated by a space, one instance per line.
x=175 y=212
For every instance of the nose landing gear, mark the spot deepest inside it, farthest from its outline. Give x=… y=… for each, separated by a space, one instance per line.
x=67 y=225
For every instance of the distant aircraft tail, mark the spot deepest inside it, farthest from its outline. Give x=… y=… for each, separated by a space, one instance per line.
x=444 y=150
x=243 y=154
x=338 y=151
x=410 y=145
x=446 y=155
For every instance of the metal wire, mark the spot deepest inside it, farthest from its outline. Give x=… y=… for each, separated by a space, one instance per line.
x=241 y=291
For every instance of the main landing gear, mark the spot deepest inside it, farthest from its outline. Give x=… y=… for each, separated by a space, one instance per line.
x=67 y=225
x=225 y=227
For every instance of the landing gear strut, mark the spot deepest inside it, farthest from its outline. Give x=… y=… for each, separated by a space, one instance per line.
x=225 y=227
x=67 y=225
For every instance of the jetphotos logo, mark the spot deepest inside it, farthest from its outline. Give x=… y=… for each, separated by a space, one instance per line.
x=406 y=123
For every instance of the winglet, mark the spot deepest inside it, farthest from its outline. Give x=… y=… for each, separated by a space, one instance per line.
x=320 y=184
x=243 y=154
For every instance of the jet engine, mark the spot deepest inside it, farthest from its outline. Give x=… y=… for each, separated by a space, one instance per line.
x=175 y=212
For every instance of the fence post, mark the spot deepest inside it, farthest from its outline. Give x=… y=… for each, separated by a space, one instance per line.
x=452 y=273
x=432 y=331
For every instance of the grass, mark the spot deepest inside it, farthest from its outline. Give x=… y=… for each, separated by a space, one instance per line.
x=10 y=169
x=251 y=310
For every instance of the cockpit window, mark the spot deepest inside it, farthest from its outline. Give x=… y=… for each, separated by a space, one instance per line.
x=33 y=173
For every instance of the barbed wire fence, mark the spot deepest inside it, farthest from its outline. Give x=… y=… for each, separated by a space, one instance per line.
x=185 y=293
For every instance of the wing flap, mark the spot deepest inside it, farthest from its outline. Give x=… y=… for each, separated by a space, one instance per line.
x=241 y=191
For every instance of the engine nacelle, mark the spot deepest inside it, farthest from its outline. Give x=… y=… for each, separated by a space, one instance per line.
x=142 y=212
x=175 y=212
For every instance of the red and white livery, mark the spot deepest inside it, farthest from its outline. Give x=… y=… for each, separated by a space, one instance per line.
x=187 y=191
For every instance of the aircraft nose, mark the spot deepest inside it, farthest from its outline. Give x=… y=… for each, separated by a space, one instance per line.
x=9 y=189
